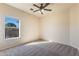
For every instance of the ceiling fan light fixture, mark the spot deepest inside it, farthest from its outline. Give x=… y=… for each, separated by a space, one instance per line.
x=42 y=10
x=39 y=12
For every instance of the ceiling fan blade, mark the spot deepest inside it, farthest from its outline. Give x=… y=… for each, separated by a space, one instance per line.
x=35 y=10
x=36 y=5
x=46 y=5
x=31 y=9
x=48 y=9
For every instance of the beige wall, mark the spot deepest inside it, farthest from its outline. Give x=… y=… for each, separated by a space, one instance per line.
x=74 y=26
x=29 y=26
x=55 y=27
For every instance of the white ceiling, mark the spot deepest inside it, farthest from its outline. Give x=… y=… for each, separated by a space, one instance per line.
x=54 y=6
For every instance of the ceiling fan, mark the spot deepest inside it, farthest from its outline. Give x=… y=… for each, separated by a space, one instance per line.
x=41 y=8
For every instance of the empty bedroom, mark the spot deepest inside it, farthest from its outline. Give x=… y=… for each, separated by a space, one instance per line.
x=39 y=29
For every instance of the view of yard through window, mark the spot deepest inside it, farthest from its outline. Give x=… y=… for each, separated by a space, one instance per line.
x=11 y=27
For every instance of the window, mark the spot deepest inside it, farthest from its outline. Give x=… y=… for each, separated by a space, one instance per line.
x=12 y=27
